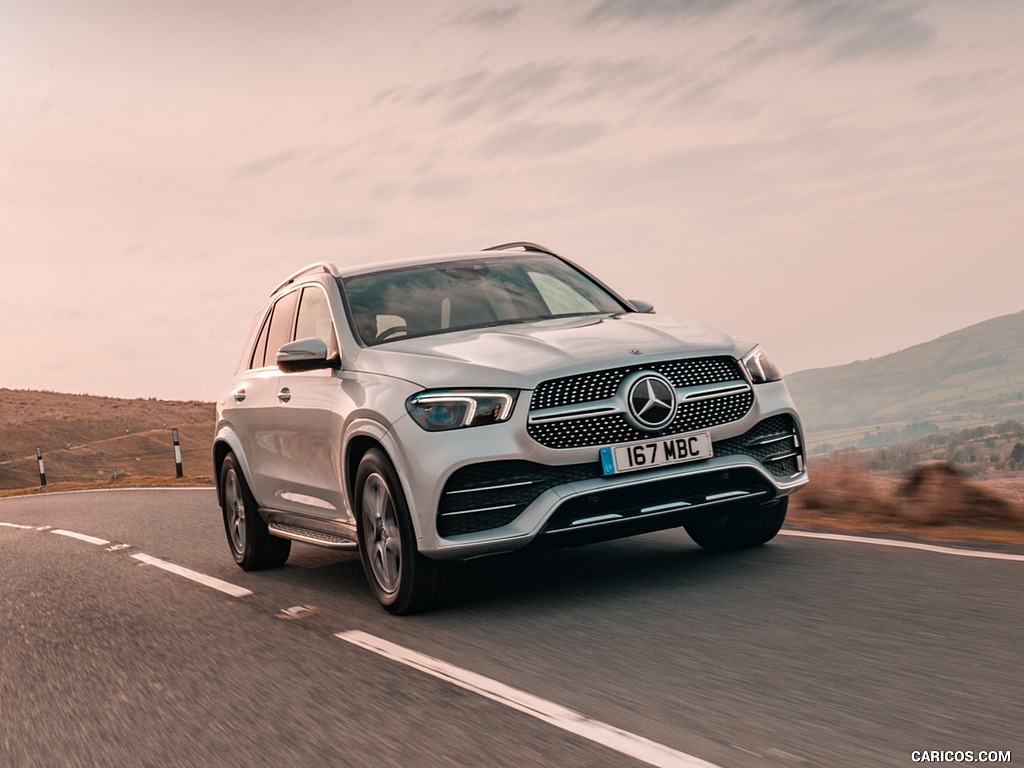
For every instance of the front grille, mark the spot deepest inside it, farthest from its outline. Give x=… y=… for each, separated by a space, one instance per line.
x=599 y=385
x=609 y=429
x=494 y=493
x=613 y=428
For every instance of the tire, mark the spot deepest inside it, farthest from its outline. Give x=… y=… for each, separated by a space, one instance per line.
x=251 y=543
x=402 y=580
x=742 y=530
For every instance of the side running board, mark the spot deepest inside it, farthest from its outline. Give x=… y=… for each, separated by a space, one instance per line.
x=308 y=536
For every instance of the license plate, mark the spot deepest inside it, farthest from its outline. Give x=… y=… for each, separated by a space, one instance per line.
x=656 y=453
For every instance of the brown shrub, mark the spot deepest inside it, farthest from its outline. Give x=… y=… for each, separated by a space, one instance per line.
x=841 y=488
x=935 y=493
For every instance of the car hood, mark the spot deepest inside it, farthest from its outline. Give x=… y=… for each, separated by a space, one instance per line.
x=524 y=354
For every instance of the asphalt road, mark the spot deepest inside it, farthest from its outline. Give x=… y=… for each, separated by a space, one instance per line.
x=805 y=652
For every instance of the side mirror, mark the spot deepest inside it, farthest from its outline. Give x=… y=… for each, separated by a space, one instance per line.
x=642 y=306
x=306 y=355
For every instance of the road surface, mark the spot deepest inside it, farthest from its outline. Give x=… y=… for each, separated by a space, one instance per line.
x=129 y=637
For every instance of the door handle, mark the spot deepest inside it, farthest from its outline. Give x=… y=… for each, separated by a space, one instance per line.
x=239 y=395
x=284 y=395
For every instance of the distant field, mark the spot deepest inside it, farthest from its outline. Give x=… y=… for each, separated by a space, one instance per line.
x=105 y=435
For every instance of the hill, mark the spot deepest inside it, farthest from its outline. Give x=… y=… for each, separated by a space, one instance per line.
x=971 y=376
x=84 y=437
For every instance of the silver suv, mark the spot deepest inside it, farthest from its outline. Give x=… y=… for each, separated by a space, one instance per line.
x=445 y=408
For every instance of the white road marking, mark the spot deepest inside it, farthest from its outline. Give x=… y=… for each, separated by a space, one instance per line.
x=637 y=747
x=200 y=578
x=81 y=537
x=907 y=545
x=15 y=525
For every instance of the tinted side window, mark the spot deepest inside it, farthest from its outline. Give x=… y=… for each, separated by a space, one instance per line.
x=260 y=350
x=281 y=326
x=314 y=319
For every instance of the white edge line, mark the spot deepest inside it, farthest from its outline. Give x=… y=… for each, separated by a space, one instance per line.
x=907 y=545
x=81 y=537
x=200 y=578
x=16 y=525
x=637 y=747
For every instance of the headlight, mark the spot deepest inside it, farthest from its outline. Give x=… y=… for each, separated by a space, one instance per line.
x=760 y=367
x=439 y=410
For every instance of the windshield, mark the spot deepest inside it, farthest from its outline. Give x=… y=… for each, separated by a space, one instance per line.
x=456 y=295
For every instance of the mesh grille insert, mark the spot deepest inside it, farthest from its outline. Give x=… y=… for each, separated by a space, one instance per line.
x=598 y=385
x=614 y=428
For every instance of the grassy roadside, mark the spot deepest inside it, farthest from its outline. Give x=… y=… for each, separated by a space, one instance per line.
x=943 y=507
x=800 y=520
x=124 y=482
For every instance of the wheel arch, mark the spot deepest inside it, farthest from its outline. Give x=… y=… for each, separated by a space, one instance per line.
x=355 y=449
x=370 y=434
x=224 y=443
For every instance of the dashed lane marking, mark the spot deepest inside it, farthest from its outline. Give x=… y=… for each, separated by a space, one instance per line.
x=637 y=747
x=907 y=545
x=15 y=525
x=81 y=537
x=200 y=578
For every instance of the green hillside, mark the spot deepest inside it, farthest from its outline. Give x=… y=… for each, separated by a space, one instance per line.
x=975 y=375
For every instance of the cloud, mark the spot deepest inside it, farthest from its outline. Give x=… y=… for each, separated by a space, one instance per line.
x=960 y=85
x=534 y=138
x=863 y=29
x=607 y=76
x=545 y=85
x=507 y=91
x=264 y=165
x=487 y=17
x=480 y=90
x=661 y=11
x=443 y=185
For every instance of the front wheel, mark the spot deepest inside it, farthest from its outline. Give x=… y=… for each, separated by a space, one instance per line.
x=251 y=543
x=402 y=580
x=745 y=529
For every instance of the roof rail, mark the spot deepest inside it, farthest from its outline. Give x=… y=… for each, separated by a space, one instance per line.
x=526 y=246
x=320 y=266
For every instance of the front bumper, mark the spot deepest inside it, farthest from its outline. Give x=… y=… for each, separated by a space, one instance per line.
x=493 y=489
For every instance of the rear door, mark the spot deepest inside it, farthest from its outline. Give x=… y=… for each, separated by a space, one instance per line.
x=261 y=404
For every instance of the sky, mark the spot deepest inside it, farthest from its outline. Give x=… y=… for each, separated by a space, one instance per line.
x=837 y=179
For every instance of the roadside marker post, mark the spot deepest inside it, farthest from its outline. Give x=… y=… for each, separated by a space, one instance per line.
x=42 y=469
x=177 y=454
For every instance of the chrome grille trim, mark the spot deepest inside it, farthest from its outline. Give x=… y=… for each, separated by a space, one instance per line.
x=490 y=488
x=478 y=509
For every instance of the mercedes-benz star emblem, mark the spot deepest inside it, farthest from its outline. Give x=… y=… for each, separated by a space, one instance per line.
x=652 y=402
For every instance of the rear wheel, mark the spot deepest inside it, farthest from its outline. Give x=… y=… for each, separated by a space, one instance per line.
x=251 y=543
x=402 y=580
x=741 y=530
